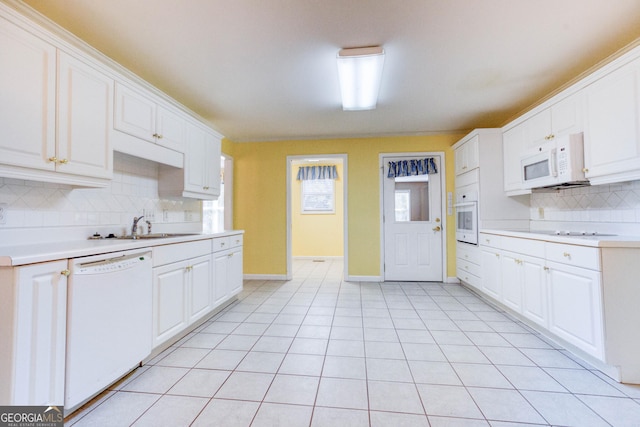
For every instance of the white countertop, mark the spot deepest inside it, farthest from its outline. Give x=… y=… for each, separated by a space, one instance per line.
x=32 y=253
x=599 y=241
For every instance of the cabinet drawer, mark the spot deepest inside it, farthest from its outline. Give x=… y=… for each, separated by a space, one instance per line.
x=221 y=243
x=465 y=253
x=468 y=267
x=529 y=247
x=491 y=240
x=236 y=240
x=177 y=252
x=469 y=278
x=579 y=256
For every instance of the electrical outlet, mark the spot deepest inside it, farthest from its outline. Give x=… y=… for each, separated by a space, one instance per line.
x=188 y=216
x=149 y=214
x=540 y=213
x=3 y=213
x=165 y=215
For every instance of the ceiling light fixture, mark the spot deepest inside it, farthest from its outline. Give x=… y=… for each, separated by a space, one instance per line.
x=360 y=72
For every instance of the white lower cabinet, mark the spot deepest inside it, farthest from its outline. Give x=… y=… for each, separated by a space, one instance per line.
x=192 y=279
x=575 y=306
x=227 y=267
x=491 y=277
x=200 y=278
x=534 y=290
x=33 y=330
x=181 y=287
x=557 y=286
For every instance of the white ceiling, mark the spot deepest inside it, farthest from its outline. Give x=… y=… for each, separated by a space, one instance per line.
x=265 y=69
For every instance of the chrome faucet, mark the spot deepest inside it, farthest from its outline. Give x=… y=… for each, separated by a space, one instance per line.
x=134 y=226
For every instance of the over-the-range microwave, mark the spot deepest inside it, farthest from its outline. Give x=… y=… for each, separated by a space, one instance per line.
x=557 y=163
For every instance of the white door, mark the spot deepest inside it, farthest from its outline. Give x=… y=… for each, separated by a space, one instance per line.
x=412 y=208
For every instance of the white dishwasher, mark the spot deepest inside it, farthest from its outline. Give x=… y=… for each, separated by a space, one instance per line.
x=109 y=321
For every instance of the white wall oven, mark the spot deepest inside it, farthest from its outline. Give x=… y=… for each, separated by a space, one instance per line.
x=467 y=216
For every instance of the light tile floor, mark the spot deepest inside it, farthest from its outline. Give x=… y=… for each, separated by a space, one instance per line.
x=318 y=351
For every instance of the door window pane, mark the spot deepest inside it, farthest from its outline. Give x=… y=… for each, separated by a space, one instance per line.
x=412 y=198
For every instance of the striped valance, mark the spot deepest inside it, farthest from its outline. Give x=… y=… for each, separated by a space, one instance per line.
x=317 y=172
x=412 y=167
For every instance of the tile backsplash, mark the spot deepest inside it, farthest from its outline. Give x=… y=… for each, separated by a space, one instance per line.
x=132 y=192
x=613 y=203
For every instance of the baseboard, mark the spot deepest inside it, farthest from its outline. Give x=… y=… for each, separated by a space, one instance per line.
x=451 y=280
x=302 y=258
x=265 y=277
x=364 y=279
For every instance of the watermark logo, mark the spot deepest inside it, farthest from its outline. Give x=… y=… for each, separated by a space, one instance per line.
x=31 y=416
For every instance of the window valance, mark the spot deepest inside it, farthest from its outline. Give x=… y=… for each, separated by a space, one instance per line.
x=317 y=172
x=412 y=167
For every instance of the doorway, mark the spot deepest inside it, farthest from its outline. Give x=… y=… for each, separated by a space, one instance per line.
x=413 y=245
x=316 y=209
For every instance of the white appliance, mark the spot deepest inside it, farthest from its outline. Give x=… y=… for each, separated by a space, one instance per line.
x=467 y=216
x=109 y=321
x=558 y=163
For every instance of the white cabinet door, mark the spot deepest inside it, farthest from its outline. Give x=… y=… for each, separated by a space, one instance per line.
x=490 y=267
x=220 y=273
x=200 y=278
x=135 y=113
x=534 y=290
x=575 y=310
x=234 y=272
x=612 y=134
x=40 y=334
x=28 y=109
x=169 y=301
x=202 y=163
x=467 y=156
x=85 y=111
x=171 y=129
x=514 y=146
x=511 y=271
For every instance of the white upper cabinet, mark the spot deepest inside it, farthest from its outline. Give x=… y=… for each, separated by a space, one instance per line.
x=561 y=118
x=63 y=138
x=202 y=163
x=142 y=116
x=28 y=102
x=200 y=178
x=514 y=145
x=85 y=105
x=612 y=135
x=466 y=156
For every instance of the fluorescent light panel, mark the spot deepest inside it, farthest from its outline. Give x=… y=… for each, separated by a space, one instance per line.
x=360 y=72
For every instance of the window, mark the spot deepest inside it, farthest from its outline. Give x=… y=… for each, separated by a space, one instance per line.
x=213 y=213
x=318 y=196
x=412 y=198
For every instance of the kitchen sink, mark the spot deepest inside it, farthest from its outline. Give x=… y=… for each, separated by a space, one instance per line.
x=157 y=236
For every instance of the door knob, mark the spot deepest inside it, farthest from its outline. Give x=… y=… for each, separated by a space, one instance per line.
x=436 y=228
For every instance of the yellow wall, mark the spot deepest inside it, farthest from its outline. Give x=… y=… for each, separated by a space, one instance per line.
x=317 y=234
x=260 y=196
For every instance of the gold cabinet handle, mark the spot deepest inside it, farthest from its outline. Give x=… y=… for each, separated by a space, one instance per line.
x=159 y=136
x=436 y=228
x=53 y=159
x=497 y=255
x=65 y=273
x=63 y=161
x=231 y=254
x=546 y=268
x=188 y=268
x=221 y=244
x=155 y=135
x=567 y=255
x=205 y=188
x=585 y=170
x=549 y=137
